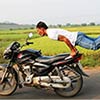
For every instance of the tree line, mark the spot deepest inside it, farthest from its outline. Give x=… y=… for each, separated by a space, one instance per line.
x=73 y=25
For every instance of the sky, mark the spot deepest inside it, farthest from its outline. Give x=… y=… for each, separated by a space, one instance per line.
x=50 y=11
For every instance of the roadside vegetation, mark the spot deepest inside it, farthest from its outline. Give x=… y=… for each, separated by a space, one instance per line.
x=50 y=47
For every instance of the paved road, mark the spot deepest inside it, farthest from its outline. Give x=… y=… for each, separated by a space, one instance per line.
x=90 y=90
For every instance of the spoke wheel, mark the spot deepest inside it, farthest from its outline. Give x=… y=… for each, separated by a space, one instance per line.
x=9 y=84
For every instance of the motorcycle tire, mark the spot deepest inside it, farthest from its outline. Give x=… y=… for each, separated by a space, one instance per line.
x=9 y=84
x=72 y=90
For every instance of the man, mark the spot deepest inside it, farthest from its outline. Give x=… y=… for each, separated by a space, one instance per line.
x=70 y=38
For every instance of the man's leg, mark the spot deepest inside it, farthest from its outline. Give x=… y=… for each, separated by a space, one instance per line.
x=86 y=42
x=97 y=41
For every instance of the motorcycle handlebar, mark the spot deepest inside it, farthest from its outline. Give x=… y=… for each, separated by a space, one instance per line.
x=27 y=43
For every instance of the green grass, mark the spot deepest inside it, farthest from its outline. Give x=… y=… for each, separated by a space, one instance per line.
x=48 y=46
x=51 y=47
x=17 y=31
x=7 y=37
x=86 y=29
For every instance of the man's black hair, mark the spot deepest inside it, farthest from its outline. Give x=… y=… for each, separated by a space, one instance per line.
x=41 y=25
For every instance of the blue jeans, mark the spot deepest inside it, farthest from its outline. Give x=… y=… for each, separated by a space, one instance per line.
x=87 y=42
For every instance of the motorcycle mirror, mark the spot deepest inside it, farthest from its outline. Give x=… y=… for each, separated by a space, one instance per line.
x=30 y=35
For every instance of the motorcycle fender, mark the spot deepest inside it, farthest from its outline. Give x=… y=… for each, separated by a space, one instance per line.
x=79 y=69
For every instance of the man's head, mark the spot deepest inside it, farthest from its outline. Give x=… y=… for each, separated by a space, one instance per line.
x=41 y=28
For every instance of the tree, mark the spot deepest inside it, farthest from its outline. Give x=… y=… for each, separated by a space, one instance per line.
x=59 y=25
x=92 y=24
x=68 y=24
x=83 y=24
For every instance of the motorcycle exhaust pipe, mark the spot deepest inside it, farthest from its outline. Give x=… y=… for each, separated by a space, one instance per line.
x=57 y=82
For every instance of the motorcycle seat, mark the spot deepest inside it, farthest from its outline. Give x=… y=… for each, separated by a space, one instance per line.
x=51 y=59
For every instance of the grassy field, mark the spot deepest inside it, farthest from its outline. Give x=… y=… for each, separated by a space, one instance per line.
x=90 y=30
x=51 y=47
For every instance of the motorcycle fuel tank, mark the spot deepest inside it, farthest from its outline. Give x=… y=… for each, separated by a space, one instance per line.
x=27 y=56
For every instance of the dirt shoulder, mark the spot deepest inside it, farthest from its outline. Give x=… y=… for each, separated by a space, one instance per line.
x=91 y=70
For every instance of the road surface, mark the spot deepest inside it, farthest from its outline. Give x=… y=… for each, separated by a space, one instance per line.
x=90 y=90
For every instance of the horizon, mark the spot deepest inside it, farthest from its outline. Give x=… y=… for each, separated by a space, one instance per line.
x=8 y=22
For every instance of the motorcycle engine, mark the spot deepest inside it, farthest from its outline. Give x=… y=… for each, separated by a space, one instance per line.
x=29 y=73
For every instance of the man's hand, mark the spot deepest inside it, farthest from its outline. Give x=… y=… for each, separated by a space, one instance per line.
x=74 y=51
x=72 y=48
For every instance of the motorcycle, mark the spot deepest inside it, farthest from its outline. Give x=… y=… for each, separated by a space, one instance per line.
x=30 y=68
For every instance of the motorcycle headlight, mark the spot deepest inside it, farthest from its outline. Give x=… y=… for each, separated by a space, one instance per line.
x=7 y=54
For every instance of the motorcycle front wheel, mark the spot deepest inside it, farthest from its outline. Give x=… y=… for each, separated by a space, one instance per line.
x=76 y=84
x=9 y=84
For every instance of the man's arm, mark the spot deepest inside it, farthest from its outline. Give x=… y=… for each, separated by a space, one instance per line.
x=72 y=48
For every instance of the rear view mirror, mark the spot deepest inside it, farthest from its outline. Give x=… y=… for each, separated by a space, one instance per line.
x=30 y=35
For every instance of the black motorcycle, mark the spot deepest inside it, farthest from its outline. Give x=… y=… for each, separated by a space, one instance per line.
x=30 y=68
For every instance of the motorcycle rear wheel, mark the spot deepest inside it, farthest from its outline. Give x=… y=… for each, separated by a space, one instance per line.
x=75 y=87
x=9 y=84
